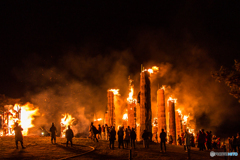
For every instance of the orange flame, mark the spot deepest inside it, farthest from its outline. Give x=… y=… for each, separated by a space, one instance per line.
x=99 y=119
x=130 y=98
x=152 y=70
x=155 y=123
x=125 y=117
x=172 y=99
x=115 y=91
x=65 y=122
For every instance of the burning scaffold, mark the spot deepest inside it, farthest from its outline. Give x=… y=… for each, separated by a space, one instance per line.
x=22 y=114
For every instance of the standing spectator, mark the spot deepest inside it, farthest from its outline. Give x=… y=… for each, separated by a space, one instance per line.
x=170 y=139
x=163 y=139
x=133 y=137
x=145 y=139
x=18 y=135
x=179 y=140
x=187 y=140
x=69 y=135
x=209 y=140
x=103 y=132
x=99 y=131
x=120 y=137
x=234 y=143
x=112 y=137
x=53 y=131
x=127 y=137
x=106 y=132
x=93 y=131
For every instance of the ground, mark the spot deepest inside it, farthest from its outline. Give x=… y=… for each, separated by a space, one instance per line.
x=83 y=148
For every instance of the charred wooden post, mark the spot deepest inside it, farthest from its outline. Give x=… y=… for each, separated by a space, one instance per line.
x=172 y=124
x=111 y=108
x=161 y=111
x=145 y=103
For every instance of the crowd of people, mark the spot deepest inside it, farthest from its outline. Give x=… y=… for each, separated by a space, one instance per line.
x=127 y=136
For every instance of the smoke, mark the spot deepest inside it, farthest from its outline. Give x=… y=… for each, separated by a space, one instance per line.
x=77 y=82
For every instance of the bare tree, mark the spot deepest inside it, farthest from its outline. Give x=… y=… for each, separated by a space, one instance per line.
x=231 y=77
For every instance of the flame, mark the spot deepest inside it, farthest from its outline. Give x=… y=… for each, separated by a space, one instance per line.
x=163 y=88
x=115 y=91
x=185 y=119
x=172 y=99
x=65 y=122
x=24 y=115
x=155 y=122
x=179 y=111
x=137 y=124
x=152 y=70
x=130 y=98
x=27 y=117
x=99 y=119
x=125 y=116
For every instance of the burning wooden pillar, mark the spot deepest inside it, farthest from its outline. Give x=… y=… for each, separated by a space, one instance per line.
x=172 y=124
x=178 y=123
x=131 y=115
x=111 y=108
x=161 y=111
x=145 y=103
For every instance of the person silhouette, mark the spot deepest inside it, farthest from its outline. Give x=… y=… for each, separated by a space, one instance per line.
x=53 y=131
x=69 y=135
x=18 y=135
x=163 y=139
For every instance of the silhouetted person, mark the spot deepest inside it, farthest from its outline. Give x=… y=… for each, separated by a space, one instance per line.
x=93 y=131
x=179 y=140
x=187 y=140
x=209 y=140
x=69 y=135
x=103 y=132
x=120 y=137
x=170 y=139
x=163 y=139
x=127 y=137
x=99 y=131
x=201 y=140
x=112 y=137
x=53 y=131
x=145 y=136
x=18 y=135
x=133 y=137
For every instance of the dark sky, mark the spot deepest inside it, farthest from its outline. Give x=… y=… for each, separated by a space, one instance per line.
x=37 y=37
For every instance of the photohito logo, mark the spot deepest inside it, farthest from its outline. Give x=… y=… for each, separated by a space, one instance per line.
x=212 y=154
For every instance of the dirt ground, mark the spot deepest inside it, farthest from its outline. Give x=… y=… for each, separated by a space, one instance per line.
x=83 y=148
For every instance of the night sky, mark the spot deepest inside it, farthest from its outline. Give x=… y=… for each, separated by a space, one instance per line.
x=48 y=45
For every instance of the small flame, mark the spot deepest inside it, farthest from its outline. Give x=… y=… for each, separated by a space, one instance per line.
x=130 y=99
x=125 y=116
x=152 y=70
x=155 y=122
x=99 y=119
x=179 y=111
x=163 y=88
x=185 y=119
x=115 y=91
x=172 y=99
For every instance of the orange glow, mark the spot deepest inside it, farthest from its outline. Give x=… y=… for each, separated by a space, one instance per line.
x=172 y=99
x=163 y=87
x=155 y=123
x=130 y=98
x=99 y=119
x=152 y=70
x=125 y=117
x=115 y=91
x=65 y=122
x=24 y=115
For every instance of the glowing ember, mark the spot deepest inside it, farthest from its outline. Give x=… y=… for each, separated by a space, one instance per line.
x=65 y=122
x=125 y=116
x=115 y=91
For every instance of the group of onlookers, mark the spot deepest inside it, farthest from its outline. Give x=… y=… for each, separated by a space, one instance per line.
x=234 y=143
